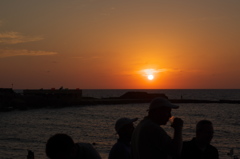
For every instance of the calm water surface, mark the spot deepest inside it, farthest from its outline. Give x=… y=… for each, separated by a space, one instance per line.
x=22 y=130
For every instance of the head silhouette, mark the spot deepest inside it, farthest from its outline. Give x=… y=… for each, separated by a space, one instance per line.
x=60 y=146
x=160 y=110
x=204 y=131
x=124 y=128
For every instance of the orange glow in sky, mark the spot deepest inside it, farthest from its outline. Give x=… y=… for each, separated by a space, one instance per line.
x=118 y=44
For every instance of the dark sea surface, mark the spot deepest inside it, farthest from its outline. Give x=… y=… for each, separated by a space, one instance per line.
x=22 y=130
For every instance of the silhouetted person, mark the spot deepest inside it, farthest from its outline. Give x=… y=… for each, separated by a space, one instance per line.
x=199 y=147
x=61 y=146
x=30 y=154
x=149 y=140
x=122 y=149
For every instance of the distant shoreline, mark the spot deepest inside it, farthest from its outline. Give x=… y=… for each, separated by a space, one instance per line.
x=51 y=98
x=94 y=101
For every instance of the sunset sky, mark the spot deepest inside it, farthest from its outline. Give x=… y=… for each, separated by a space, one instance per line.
x=116 y=44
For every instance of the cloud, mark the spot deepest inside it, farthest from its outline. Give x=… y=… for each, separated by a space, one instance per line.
x=11 y=53
x=146 y=72
x=78 y=57
x=86 y=57
x=16 y=38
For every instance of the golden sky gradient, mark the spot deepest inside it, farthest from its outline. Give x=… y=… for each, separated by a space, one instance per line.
x=109 y=44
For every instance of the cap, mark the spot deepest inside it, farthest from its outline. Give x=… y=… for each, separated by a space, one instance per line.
x=161 y=102
x=122 y=122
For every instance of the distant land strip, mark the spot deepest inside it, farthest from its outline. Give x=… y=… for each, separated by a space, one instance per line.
x=32 y=99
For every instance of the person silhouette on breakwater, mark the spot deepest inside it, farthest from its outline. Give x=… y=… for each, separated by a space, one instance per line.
x=199 y=147
x=122 y=149
x=149 y=140
x=61 y=146
x=30 y=154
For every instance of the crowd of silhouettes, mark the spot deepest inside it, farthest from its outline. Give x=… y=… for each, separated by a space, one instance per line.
x=147 y=141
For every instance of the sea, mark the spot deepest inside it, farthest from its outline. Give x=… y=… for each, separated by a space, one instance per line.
x=30 y=129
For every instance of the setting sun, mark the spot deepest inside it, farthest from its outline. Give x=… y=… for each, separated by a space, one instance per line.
x=151 y=73
x=150 y=77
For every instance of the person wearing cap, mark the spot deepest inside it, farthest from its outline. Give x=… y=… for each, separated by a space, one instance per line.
x=122 y=149
x=150 y=140
x=199 y=147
